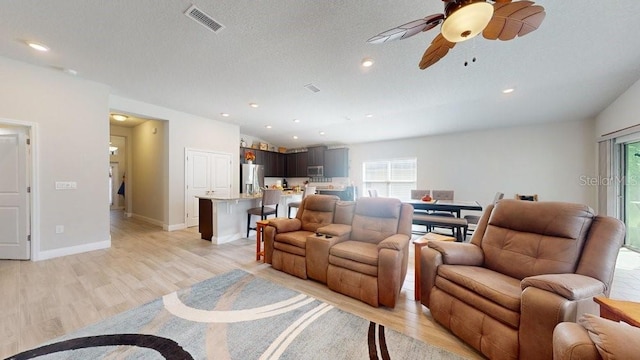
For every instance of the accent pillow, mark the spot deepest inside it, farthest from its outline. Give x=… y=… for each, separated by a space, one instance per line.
x=613 y=340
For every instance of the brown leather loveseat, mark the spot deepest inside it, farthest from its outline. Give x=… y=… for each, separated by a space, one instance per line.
x=529 y=266
x=362 y=251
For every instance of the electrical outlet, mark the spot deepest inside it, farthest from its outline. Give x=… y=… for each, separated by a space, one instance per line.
x=59 y=229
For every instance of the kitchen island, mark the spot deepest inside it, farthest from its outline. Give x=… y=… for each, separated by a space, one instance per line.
x=221 y=220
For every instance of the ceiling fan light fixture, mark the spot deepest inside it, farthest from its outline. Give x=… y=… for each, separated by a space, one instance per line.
x=466 y=19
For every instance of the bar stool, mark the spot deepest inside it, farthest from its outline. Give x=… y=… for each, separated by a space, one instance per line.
x=269 y=198
x=309 y=190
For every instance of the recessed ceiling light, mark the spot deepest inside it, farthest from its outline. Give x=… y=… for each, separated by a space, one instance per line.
x=296 y=120
x=508 y=91
x=38 y=46
x=321 y=132
x=369 y=115
x=119 y=117
x=295 y=137
x=367 y=62
x=224 y=114
x=268 y=126
x=253 y=105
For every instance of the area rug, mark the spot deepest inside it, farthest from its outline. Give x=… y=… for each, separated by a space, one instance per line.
x=236 y=316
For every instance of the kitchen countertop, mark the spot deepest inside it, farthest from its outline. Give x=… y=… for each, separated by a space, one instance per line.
x=244 y=196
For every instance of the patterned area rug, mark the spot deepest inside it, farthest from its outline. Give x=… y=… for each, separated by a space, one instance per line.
x=236 y=316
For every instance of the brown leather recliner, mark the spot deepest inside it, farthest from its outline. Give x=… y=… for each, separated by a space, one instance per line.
x=285 y=239
x=529 y=266
x=369 y=263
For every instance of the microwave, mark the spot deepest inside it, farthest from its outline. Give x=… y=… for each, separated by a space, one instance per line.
x=315 y=171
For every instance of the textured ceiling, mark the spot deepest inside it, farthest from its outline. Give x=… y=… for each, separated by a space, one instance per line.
x=585 y=54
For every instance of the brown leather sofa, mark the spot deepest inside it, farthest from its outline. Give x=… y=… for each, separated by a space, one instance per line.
x=595 y=338
x=285 y=239
x=529 y=266
x=362 y=252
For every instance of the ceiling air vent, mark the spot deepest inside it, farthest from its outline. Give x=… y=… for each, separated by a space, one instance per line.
x=312 y=88
x=203 y=19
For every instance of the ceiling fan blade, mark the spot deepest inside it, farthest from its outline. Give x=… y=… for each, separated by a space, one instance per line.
x=511 y=19
x=438 y=49
x=407 y=30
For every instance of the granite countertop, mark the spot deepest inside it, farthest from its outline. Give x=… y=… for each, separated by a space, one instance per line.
x=245 y=196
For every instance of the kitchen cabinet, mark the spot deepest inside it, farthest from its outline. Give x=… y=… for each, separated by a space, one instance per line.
x=274 y=163
x=336 y=162
x=297 y=164
x=315 y=156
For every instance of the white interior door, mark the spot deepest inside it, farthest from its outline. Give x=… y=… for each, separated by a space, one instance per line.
x=198 y=182
x=221 y=175
x=208 y=173
x=14 y=199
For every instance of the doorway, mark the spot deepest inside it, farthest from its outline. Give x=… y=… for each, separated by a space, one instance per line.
x=15 y=188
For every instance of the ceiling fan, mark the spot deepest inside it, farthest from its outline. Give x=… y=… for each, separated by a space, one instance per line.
x=464 y=19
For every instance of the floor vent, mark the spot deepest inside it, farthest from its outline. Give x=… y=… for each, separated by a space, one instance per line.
x=312 y=88
x=203 y=19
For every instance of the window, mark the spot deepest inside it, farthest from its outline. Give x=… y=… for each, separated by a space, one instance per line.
x=391 y=178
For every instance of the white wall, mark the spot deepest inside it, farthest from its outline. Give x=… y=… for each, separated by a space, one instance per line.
x=186 y=131
x=72 y=145
x=622 y=113
x=547 y=159
x=148 y=171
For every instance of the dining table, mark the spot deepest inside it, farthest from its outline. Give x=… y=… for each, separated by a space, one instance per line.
x=453 y=206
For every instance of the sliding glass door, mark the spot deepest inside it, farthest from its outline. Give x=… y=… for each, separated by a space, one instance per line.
x=629 y=181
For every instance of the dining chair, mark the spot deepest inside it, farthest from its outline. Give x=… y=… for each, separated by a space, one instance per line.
x=442 y=194
x=373 y=193
x=309 y=190
x=473 y=220
x=419 y=194
x=268 y=206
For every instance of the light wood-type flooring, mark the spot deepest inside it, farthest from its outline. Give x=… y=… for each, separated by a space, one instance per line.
x=43 y=300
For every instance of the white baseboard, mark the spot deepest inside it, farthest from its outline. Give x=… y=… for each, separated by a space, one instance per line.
x=174 y=227
x=128 y=214
x=225 y=239
x=50 y=254
x=147 y=219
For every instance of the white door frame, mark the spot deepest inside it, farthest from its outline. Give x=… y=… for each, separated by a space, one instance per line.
x=34 y=199
x=186 y=174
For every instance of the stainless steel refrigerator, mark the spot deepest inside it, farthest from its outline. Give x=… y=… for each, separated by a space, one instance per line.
x=251 y=178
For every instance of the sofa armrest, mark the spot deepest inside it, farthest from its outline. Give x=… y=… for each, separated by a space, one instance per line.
x=571 y=342
x=394 y=242
x=285 y=225
x=339 y=230
x=569 y=286
x=458 y=253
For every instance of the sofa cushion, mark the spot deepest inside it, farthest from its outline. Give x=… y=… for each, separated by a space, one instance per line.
x=612 y=339
x=531 y=238
x=361 y=252
x=294 y=238
x=356 y=256
x=499 y=288
x=317 y=211
x=375 y=219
